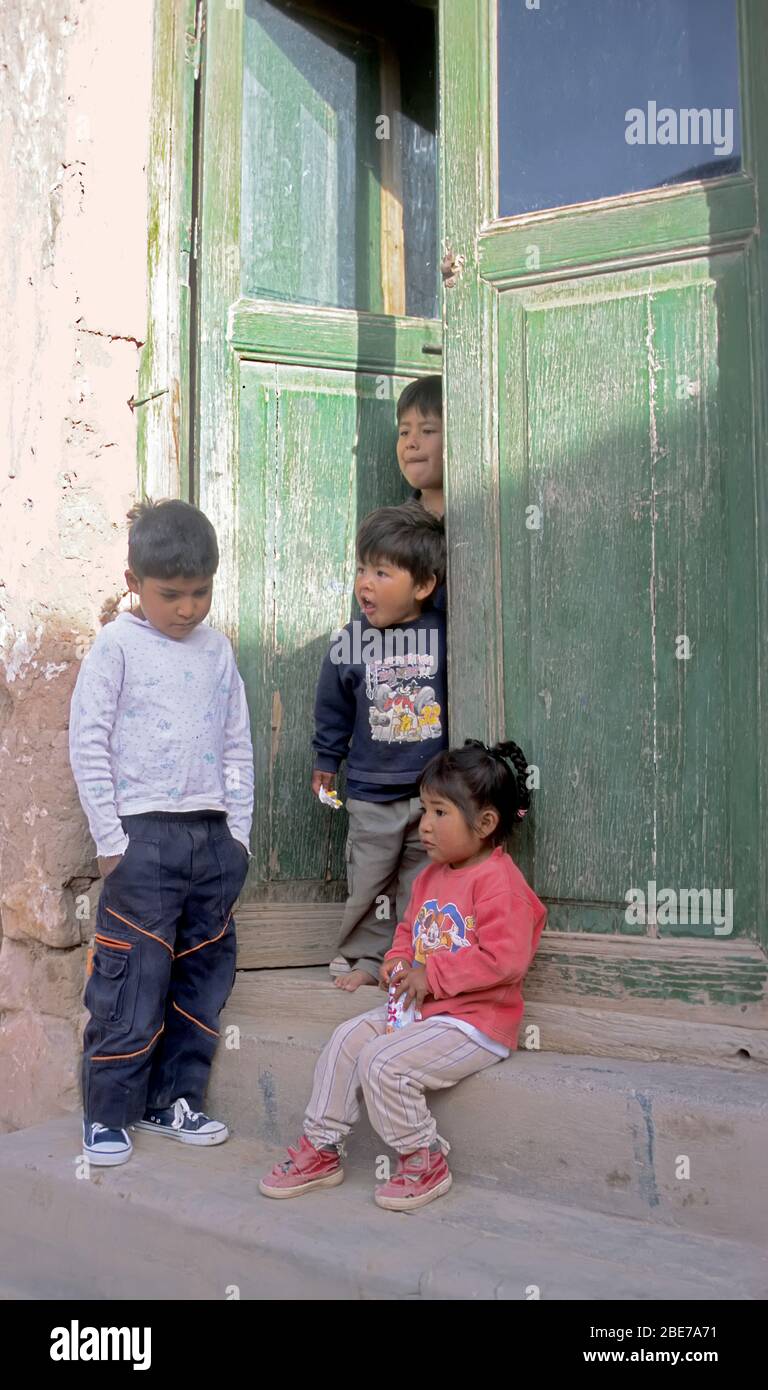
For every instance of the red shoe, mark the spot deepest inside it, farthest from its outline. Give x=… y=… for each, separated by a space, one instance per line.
x=420 y=1178
x=305 y=1167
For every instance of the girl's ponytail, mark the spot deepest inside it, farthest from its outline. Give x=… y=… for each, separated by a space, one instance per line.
x=477 y=776
x=516 y=756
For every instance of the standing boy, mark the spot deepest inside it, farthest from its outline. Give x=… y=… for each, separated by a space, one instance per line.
x=381 y=703
x=160 y=748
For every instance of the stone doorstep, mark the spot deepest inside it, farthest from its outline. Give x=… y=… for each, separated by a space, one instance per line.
x=603 y=1134
x=180 y=1223
x=640 y=1029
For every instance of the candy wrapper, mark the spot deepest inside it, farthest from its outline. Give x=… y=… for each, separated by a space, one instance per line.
x=329 y=799
x=398 y=1015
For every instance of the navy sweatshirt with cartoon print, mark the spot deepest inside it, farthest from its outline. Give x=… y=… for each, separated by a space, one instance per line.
x=381 y=704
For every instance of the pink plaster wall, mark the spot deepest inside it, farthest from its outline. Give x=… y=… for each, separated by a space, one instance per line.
x=75 y=94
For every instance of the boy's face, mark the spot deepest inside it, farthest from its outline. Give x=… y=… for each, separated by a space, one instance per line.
x=420 y=449
x=388 y=594
x=173 y=606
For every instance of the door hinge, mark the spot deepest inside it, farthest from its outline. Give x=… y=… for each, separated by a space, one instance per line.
x=450 y=268
x=153 y=396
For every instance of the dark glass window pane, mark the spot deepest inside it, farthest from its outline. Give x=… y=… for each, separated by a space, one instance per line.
x=601 y=97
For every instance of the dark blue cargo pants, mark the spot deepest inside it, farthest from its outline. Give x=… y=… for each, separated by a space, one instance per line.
x=163 y=965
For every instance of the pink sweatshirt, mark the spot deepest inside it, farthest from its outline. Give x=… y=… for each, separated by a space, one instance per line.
x=477 y=929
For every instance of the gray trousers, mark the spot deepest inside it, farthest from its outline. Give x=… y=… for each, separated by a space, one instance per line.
x=384 y=855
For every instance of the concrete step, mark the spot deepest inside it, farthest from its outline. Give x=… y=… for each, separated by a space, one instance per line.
x=605 y=1135
x=177 y=1223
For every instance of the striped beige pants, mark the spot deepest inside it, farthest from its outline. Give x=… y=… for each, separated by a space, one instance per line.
x=391 y=1072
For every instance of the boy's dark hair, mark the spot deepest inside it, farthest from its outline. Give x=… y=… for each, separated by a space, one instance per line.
x=170 y=539
x=425 y=395
x=407 y=536
x=476 y=776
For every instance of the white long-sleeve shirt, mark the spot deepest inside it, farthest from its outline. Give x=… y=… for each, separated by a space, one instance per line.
x=159 y=724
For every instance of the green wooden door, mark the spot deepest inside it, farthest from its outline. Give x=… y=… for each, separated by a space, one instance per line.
x=606 y=451
x=316 y=303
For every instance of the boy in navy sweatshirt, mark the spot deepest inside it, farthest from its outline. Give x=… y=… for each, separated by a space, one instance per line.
x=381 y=703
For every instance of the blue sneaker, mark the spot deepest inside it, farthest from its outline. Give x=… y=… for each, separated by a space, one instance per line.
x=188 y=1126
x=106 y=1147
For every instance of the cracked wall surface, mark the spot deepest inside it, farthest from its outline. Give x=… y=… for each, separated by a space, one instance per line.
x=75 y=94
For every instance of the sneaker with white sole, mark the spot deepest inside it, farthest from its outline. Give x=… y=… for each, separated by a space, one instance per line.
x=305 y=1168
x=106 y=1147
x=178 y=1121
x=421 y=1177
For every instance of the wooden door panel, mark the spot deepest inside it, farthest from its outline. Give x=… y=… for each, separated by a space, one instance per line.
x=691 y=582
x=629 y=386
x=339 y=196
x=591 y=681
x=316 y=454
x=576 y=668
x=309 y=229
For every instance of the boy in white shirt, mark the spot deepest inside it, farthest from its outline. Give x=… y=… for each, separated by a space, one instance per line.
x=160 y=748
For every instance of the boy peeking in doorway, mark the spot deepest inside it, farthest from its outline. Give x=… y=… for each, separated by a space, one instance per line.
x=420 y=449
x=420 y=441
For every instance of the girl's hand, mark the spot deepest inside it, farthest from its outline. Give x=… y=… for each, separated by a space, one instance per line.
x=322 y=779
x=413 y=984
x=387 y=970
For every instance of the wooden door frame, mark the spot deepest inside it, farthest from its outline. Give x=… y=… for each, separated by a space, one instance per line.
x=577 y=969
x=162 y=398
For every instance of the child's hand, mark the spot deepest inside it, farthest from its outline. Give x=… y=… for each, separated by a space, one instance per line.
x=413 y=984
x=322 y=779
x=386 y=971
x=108 y=863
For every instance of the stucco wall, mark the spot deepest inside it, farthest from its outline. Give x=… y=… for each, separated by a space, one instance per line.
x=75 y=92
